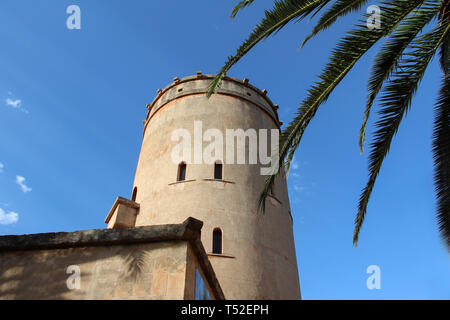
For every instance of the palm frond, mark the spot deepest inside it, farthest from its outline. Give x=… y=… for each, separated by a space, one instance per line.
x=242 y=4
x=444 y=13
x=283 y=12
x=339 y=9
x=347 y=53
x=319 y=8
x=265 y=192
x=441 y=153
x=441 y=147
x=396 y=101
x=445 y=56
x=391 y=52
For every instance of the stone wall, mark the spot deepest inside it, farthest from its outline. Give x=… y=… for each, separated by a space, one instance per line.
x=140 y=263
x=143 y=271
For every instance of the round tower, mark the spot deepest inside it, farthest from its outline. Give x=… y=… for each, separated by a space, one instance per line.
x=252 y=253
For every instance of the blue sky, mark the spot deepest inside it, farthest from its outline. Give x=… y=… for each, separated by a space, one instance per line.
x=72 y=104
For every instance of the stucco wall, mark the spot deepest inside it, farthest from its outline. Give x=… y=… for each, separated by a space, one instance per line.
x=144 y=271
x=151 y=262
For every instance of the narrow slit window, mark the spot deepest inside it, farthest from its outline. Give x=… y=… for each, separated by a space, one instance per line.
x=217 y=241
x=134 y=194
x=218 y=171
x=181 y=172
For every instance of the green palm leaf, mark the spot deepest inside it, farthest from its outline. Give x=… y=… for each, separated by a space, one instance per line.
x=338 y=9
x=347 y=53
x=319 y=8
x=445 y=56
x=239 y=6
x=390 y=53
x=441 y=153
x=281 y=14
x=441 y=147
x=396 y=101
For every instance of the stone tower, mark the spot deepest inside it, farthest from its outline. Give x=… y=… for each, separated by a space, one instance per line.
x=254 y=255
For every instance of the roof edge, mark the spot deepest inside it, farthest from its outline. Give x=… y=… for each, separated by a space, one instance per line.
x=200 y=76
x=189 y=230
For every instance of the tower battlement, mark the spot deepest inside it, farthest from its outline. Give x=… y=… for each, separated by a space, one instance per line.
x=198 y=85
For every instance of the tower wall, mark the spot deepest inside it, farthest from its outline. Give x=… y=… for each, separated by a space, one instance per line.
x=258 y=260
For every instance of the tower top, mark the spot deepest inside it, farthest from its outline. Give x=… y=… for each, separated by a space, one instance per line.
x=199 y=83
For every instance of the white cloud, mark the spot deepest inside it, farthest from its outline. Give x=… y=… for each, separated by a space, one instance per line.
x=295 y=175
x=299 y=188
x=13 y=103
x=296 y=178
x=20 y=181
x=8 y=218
x=1 y=167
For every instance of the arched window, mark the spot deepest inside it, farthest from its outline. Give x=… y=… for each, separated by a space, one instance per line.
x=217 y=241
x=181 y=176
x=134 y=194
x=218 y=170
